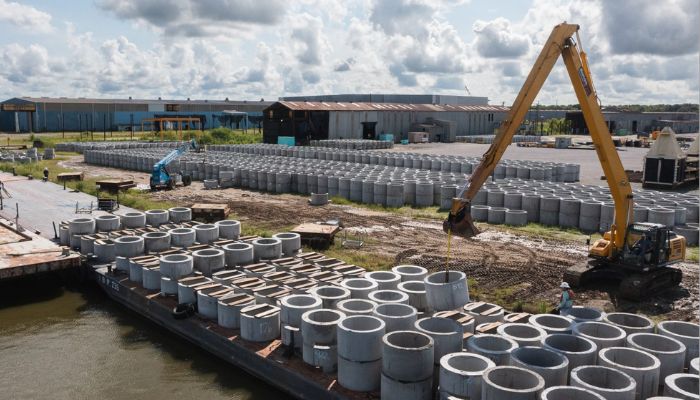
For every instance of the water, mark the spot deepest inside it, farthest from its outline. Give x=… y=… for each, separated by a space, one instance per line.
x=75 y=343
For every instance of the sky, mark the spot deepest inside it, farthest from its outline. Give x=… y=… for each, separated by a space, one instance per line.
x=640 y=51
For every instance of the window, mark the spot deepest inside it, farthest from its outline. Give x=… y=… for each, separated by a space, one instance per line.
x=172 y=107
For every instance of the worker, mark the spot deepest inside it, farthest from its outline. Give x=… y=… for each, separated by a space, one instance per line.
x=643 y=245
x=46 y=174
x=566 y=301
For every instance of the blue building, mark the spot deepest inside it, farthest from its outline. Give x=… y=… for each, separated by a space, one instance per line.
x=44 y=114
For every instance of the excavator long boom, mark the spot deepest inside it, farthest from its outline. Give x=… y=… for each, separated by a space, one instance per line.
x=560 y=42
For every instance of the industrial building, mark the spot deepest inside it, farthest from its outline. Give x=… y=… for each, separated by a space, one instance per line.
x=393 y=98
x=307 y=121
x=44 y=114
x=627 y=122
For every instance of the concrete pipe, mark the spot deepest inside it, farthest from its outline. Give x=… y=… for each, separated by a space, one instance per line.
x=359 y=376
x=602 y=334
x=104 y=250
x=397 y=317
x=291 y=242
x=107 y=223
x=168 y=286
x=208 y=298
x=393 y=389
x=318 y=199
x=424 y=194
x=151 y=278
x=64 y=235
x=388 y=296
x=640 y=365
x=229 y=229
x=569 y=212
x=480 y=213
x=494 y=198
x=260 y=323
x=238 y=254
x=407 y=356
x=682 y=386
x=352 y=306
x=513 y=200
x=630 y=323
x=132 y=220
x=127 y=247
x=589 y=216
x=330 y=295
x=549 y=211
x=446 y=290
x=507 y=382
x=551 y=323
x=155 y=242
x=663 y=216
x=86 y=244
x=494 y=347
x=584 y=314
x=386 y=280
x=360 y=338
x=516 y=217
x=496 y=215
x=318 y=327
x=578 y=350
x=446 y=333
x=417 y=296
x=447 y=193
x=206 y=233
x=668 y=350
x=294 y=306
x=687 y=333
x=176 y=265
x=484 y=312
x=81 y=226
x=135 y=272
x=608 y=382
x=410 y=272
x=187 y=288
x=359 y=288
x=531 y=204
x=182 y=237
x=208 y=261
x=694 y=367
x=569 y=393
x=228 y=311
x=394 y=194
x=552 y=366
x=350 y=189
x=157 y=218
x=523 y=334
x=461 y=375
x=267 y=249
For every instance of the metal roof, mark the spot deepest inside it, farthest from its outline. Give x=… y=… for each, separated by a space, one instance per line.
x=84 y=100
x=342 y=106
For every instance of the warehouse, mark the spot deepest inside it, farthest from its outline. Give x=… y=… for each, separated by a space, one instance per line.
x=626 y=122
x=44 y=114
x=338 y=120
x=393 y=98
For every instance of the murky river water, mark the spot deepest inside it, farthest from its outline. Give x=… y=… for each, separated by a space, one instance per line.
x=68 y=343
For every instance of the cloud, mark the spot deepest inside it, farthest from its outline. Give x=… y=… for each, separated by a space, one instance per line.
x=308 y=40
x=494 y=39
x=449 y=83
x=652 y=27
x=441 y=51
x=344 y=66
x=511 y=69
x=25 y=17
x=19 y=64
x=401 y=16
x=404 y=78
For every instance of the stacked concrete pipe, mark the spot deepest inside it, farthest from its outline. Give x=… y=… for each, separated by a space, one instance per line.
x=446 y=290
x=494 y=347
x=578 y=350
x=640 y=365
x=668 y=350
x=507 y=382
x=292 y=308
x=360 y=352
x=407 y=366
x=608 y=382
x=319 y=337
x=461 y=375
x=552 y=366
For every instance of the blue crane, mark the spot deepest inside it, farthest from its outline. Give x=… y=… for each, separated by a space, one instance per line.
x=160 y=177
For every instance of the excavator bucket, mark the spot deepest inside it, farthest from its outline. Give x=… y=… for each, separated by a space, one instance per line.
x=459 y=221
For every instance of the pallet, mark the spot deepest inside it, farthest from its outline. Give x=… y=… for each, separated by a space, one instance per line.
x=69 y=176
x=317 y=236
x=115 y=185
x=210 y=212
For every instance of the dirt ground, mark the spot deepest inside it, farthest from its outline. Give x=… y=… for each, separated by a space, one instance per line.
x=513 y=270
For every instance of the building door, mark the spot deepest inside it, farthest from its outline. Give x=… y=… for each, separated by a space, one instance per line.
x=634 y=126
x=369 y=130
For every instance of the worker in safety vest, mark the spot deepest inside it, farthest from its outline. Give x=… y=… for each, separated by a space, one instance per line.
x=566 y=301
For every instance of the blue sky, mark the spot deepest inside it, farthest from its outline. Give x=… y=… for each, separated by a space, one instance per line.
x=642 y=51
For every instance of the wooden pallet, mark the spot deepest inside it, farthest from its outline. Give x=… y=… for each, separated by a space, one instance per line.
x=210 y=212
x=70 y=176
x=317 y=236
x=115 y=185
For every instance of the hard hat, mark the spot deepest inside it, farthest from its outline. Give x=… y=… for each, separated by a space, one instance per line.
x=565 y=285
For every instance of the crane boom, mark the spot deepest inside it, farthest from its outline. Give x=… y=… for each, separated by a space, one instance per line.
x=160 y=175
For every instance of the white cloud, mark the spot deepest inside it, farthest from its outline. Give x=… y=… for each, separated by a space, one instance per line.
x=496 y=39
x=25 y=17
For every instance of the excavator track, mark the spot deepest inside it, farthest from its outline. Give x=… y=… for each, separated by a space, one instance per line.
x=638 y=286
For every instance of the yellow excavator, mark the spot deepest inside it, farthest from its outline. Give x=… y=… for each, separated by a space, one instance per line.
x=638 y=255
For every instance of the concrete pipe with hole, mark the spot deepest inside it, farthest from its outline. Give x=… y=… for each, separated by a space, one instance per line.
x=318 y=327
x=408 y=356
x=81 y=226
x=182 y=237
x=551 y=365
x=507 y=382
x=687 y=333
x=640 y=365
x=155 y=242
x=176 y=265
x=630 y=323
x=446 y=290
x=229 y=229
x=523 y=334
x=360 y=338
x=156 y=218
x=107 y=223
x=294 y=306
x=360 y=288
x=551 y=323
x=267 y=249
x=602 y=334
x=168 y=286
x=694 y=367
x=569 y=393
x=410 y=272
x=208 y=261
x=352 y=307
x=133 y=220
x=668 y=350
x=104 y=250
x=187 y=288
x=330 y=295
x=494 y=347
x=446 y=333
x=206 y=233
x=417 y=296
x=461 y=375
x=180 y=214
x=291 y=242
x=228 y=311
x=127 y=247
x=682 y=386
x=396 y=316
x=393 y=389
x=579 y=350
x=260 y=323
x=388 y=296
x=584 y=314
x=238 y=254
x=386 y=280
x=151 y=278
x=607 y=382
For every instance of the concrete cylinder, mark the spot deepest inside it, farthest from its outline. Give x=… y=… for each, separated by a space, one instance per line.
x=584 y=314
x=552 y=366
x=551 y=323
x=687 y=333
x=579 y=350
x=229 y=309
x=446 y=291
x=127 y=247
x=516 y=217
x=569 y=393
x=446 y=333
x=292 y=307
x=694 y=367
x=682 y=386
x=360 y=352
x=663 y=216
x=81 y=226
x=187 y=289
x=155 y=242
x=393 y=389
x=609 y=383
x=379 y=197
x=238 y=254
x=260 y=323
x=589 y=216
x=461 y=375
x=602 y=334
x=229 y=229
x=182 y=237
x=640 y=365
x=352 y=306
x=417 y=296
x=396 y=316
x=132 y=220
x=523 y=334
x=359 y=288
x=494 y=347
x=480 y=213
x=151 y=278
x=291 y=242
x=630 y=323
x=107 y=223
x=496 y=215
x=330 y=295
x=208 y=261
x=176 y=265
x=267 y=249
x=206 y=233
x=447 y=193
x=507 y=382
x=407 y=356
x=424 y=194
x=104 y=250
x=386 y=280
x=318 y=327
x=157 y=218
x=168 y=286
x=668 y=350
x=410 y=272
x=388 y=296
x=569 y=211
